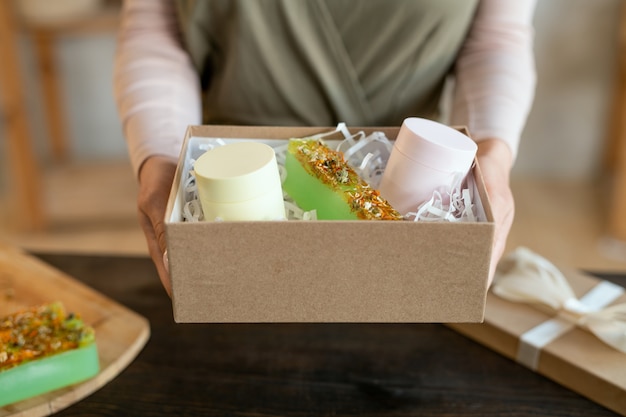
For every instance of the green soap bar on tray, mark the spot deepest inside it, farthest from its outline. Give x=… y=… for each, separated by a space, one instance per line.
x=319 y=179
x=43 y=349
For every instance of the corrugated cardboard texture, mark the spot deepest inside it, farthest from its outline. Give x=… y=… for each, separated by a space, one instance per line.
x=577 y=360
x=325 y=271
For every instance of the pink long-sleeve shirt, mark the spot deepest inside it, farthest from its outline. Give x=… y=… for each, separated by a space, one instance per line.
x=158 y=92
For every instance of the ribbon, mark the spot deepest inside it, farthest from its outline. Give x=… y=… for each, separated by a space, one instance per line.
x=526 y=277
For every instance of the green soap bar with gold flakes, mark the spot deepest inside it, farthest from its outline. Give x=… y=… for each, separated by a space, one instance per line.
x=318 y=178
x=43 y=349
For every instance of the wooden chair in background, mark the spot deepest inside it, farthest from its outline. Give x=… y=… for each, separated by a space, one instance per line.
x=615 y=160
x=25 y=175
x=25 y=172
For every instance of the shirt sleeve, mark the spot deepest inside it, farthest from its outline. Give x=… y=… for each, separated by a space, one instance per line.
x=495 y=72
x=155 y=85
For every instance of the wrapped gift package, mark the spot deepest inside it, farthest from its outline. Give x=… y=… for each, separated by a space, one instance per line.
x=323 y=270
x=579 y=341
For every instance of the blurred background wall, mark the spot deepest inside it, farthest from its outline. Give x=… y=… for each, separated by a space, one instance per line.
x=575 y=49
x=85 y=68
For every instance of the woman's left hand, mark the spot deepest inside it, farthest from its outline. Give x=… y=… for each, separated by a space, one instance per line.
x=496 y=160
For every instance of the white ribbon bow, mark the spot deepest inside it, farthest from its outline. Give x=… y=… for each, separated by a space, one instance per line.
x=526 y=277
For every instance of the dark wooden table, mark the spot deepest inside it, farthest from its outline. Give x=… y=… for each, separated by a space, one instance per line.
x=305 y=369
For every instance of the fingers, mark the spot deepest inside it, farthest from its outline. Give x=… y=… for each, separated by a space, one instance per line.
x=495 y=161
x=166 y=261
x=504 y=213
x=155 y=180
x=155 y=251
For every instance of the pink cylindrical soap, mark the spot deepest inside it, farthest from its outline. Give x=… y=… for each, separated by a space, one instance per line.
x=426 y=156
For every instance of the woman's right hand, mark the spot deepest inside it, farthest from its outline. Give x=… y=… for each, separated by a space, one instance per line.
x=155 y=181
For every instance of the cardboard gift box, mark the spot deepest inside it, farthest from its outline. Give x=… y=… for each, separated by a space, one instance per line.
x=323 y=271
x=571 y=344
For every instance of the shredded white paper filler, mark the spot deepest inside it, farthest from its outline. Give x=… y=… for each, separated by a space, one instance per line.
x=368 y=156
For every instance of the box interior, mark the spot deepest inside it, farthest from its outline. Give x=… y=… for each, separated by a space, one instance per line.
x=195 y=146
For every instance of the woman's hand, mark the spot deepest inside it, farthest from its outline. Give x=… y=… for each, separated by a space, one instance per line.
x=496 y=160
x=155 y=181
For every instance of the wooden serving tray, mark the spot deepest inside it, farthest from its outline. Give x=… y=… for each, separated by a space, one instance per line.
x=26 y=281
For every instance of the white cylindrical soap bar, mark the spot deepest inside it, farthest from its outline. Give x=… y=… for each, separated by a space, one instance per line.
x=240 y=181
x=427 y=156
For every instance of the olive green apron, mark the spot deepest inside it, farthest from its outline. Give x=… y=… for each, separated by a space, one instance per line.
x=320 y=62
